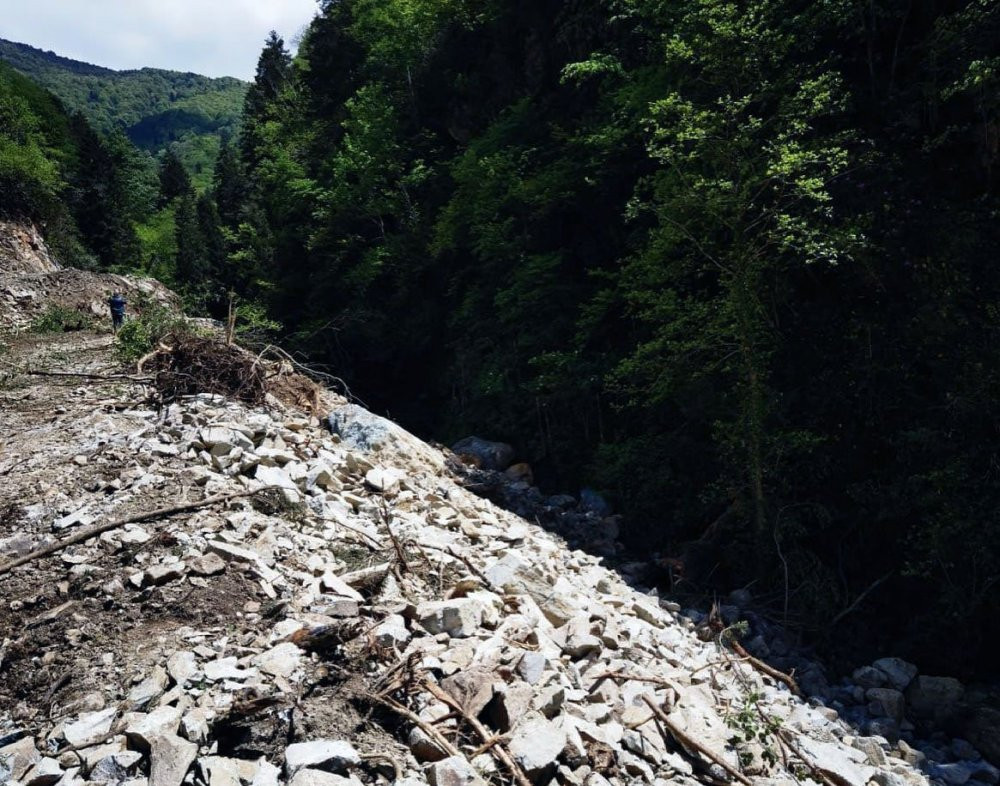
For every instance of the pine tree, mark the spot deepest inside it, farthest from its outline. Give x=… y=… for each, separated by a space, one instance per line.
x=99 y=199
x=274 y=69
x=217 y=275
x=174 y=178
x=190 y=264
x=229 y=185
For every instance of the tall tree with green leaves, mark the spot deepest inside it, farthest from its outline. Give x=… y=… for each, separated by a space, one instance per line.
x=748 y=148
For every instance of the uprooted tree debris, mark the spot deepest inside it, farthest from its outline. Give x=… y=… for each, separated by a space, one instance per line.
x=184 y=364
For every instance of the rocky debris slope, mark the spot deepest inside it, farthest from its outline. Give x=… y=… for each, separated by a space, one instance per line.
x=23 y=250
x=31 y=282
x=362 y=619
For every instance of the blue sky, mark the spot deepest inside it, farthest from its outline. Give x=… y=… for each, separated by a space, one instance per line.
x=211 y=37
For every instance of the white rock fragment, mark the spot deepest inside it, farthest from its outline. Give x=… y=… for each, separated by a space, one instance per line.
x=454 y=771
x=18 y=757
x=535 y=745
x=384 y=480
x=170 y=759
x=91 y=727
x=280 y=661
x=308 y=777
x=141 y=727
x=459 y=618
x=227 y=669
x=335 y=754
x=149 y=689
x=181 y=666
x=47 y=772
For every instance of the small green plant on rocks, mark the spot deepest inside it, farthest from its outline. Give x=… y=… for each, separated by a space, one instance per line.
x=752 y=725
x=273 y=502
x=61 y=319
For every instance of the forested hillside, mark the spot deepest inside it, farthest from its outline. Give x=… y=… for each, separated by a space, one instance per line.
x=733 y=264
x=87 y=191
x=154 y=108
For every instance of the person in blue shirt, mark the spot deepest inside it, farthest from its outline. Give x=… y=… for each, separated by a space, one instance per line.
x=117 y=303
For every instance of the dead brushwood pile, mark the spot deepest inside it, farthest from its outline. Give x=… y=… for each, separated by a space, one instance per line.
x=186 y=365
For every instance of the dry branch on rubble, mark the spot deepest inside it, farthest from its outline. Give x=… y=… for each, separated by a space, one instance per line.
x=93 y=532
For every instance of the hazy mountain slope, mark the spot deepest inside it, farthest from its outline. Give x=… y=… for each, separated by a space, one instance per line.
x=153 y=107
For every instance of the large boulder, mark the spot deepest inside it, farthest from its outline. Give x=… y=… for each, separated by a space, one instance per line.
x=982 y=729
x=361 y=430
x=935 y=699
x=593 y=502
x=487 y=455
x=898 y=672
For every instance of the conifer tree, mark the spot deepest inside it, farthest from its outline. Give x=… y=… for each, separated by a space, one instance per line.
x=228 y=185
x=213 y=250
x=190 y=263
x=174 y=178
x=274 y=68
x=100 y=201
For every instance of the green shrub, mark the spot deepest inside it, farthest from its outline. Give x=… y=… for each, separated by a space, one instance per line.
x=134 y=340
x=141 y=333
x=60 y=319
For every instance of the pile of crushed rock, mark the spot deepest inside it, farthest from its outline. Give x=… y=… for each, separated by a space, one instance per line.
x=357 y=617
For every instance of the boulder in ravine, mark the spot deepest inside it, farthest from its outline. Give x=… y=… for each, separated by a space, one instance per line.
x=898 y=672
x=487 y=455
x=934 y=699
x=593 y=502
x=520 y=473
x=982 y=728
x=886 y=701
x=869 y=677
x=362 y=430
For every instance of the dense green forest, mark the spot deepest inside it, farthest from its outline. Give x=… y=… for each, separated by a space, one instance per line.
x=103 y=203
x=156 y=109
x=85 y=190
x=730 y=263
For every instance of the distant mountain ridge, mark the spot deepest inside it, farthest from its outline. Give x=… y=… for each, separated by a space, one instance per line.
x=155 y=108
